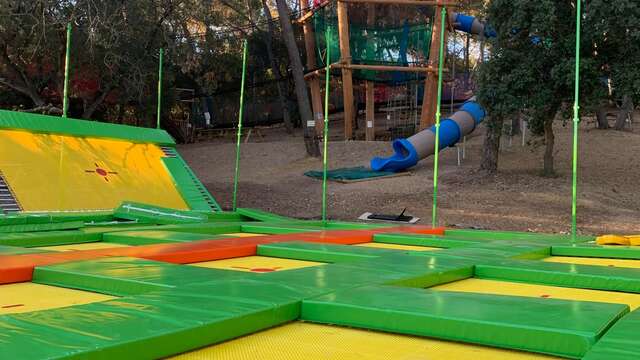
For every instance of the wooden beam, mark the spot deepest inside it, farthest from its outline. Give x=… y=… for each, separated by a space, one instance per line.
x=430 y=98
x=386 y=68
x=347 y=76
x=404 y=2
x=370 y=109
x=311 y=12
x=314 y=82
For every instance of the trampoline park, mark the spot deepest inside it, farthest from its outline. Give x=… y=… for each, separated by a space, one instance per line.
x=159 y=271
x=111 y=248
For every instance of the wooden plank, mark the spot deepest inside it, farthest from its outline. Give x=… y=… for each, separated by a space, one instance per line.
x=347 y=75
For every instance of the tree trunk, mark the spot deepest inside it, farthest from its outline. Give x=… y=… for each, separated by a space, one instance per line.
x=515 y=125
x=491 y=148
x=549 y=141
x=24 y=86
x=601 y=117
x=89 y=110
x=302 y=95
x=280 y=84
x=626 y=112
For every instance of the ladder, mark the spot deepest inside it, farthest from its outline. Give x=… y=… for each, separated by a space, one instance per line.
x=8 y=202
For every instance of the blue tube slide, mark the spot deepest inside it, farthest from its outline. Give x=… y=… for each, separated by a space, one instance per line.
x=421 y=145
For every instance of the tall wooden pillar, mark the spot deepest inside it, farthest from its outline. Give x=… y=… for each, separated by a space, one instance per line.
x=314 y=81
x=370 y=127
x=429 y=102
x=347 y=76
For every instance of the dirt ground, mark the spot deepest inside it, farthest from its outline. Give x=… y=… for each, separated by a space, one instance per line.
x=272 y=167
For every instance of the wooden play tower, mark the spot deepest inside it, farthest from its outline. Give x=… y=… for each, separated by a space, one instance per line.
x=346 y=66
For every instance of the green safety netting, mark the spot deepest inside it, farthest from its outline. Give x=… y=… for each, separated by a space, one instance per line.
x=398 y=45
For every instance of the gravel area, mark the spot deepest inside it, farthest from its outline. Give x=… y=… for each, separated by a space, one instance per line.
x=272 y=167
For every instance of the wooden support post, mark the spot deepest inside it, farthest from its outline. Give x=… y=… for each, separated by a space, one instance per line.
x=314 y=81
x=370 y=132
x=370 y=126
x=347 y=76
x=431 y=83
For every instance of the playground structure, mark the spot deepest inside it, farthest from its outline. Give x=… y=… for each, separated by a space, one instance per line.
x=110 y=247
x=397 y=56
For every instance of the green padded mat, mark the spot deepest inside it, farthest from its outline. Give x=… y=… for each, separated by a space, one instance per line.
x=157 y=215
x=320 y=252
x=142 y=327
x=488 y=235
x=19 y=228
x=122 y=276
x=48 y=238
x=557 y=327
x=155 y=237
x=421 y=240
x=350 y=174
x=621 y=342
x=593 y=250
x=560 y=274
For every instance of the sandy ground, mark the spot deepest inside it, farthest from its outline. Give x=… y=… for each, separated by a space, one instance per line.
x=272 y=167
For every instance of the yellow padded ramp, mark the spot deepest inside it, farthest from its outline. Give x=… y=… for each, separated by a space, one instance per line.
x=398 y=247
x=320 y=342
x=595 y=261
x=259 y=264
x=60 y=173
x=544 y=291
x=243 y=235
x=26 y=297
x=83 y=246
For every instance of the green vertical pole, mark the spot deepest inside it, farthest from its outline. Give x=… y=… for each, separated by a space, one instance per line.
x=576 y=124
x=67 y=63
x=240 y=116
x=434 y=210
x=160 y=66
x=325 y=134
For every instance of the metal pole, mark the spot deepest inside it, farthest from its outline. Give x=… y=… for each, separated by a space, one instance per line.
x=160 y=66
x=434 y=211
x=240 y=116
x=576 y=124
x=67 y=63
x=325 y=134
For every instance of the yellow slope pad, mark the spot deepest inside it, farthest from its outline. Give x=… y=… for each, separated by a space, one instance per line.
x=83 y=246
x=320 y=342
x=595 y=261
x=242 y=235
x=258 y=264
x=26 y=297
x=542 y=291
x=398 y=247
x=634 y=240
x=59 y=173
x=612 y=240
